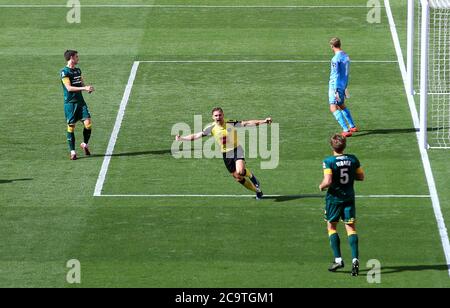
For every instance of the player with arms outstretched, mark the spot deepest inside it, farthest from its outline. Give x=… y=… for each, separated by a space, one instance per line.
x=224 y=131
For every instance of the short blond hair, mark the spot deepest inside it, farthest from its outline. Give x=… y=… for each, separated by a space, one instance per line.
x=335 y=42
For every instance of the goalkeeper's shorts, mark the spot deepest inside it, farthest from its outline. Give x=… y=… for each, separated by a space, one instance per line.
x=332 y=97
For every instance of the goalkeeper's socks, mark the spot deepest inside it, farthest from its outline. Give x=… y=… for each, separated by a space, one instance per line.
x=341 y=120
x=348 y=117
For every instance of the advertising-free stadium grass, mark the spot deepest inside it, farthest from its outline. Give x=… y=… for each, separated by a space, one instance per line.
x=49 y=214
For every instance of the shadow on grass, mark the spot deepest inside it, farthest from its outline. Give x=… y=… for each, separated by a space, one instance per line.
x=399 y=269
x=14 y=180
x=385 y=131
x=142 y=153
x=294 y=197
x=413 y=268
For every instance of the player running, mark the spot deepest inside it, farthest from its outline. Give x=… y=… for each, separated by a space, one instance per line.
x=224 y=131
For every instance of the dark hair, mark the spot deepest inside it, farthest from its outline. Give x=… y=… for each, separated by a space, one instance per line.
x=69 y=54
x=217 y=109
x=335 y=42
x=338 y=143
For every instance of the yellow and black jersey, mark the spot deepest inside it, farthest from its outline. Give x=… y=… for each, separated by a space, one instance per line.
x=226 y=136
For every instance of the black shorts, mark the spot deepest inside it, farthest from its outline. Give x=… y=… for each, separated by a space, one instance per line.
x=231 y=157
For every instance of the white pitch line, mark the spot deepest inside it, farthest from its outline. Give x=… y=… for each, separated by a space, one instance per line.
x=262 y=61
x=424 y=154
x=252 y=196
x=115 y=132
x=113 y=139
x=188 y=6
x=392 y=196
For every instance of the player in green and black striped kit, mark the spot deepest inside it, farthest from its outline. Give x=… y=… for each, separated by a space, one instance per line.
x=75 y=107
x=340 y=172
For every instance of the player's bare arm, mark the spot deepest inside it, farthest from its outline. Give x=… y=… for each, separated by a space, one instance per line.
x=191 y=137
x=326 y=182
x=256 y=122
x=83 y=84
x=71 y=88
x=360 y=175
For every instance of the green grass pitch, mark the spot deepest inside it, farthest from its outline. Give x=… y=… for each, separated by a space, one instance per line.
x=49 y=214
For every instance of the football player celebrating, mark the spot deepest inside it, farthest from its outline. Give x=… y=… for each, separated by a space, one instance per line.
x=224 y=131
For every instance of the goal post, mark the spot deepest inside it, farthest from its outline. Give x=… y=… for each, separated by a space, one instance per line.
x=434 y=70
x=424 y=64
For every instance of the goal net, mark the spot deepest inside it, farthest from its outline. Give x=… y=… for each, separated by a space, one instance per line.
x=434 y=72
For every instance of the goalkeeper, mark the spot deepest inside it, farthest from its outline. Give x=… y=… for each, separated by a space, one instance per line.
x=340 y=70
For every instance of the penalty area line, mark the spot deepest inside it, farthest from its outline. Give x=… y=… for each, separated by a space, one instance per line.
x=252 y=196
x=262 y=61
x=115 y=132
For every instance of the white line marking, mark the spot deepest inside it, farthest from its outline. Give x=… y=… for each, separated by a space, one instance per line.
x=424 y=154
x=120 y=115
x=252 y=196
x=188 y=6
x=262 y=61
x=392 y=196
x=123 y=105
x=115 y=132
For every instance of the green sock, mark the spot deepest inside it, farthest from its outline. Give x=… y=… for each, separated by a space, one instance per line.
x=353 y=241
x=335 y=243
x=71 y=141
x=86 y=135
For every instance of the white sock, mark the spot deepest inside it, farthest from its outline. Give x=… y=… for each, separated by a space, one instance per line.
x=338 y=260
x=354 y=260
x=73 y=152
